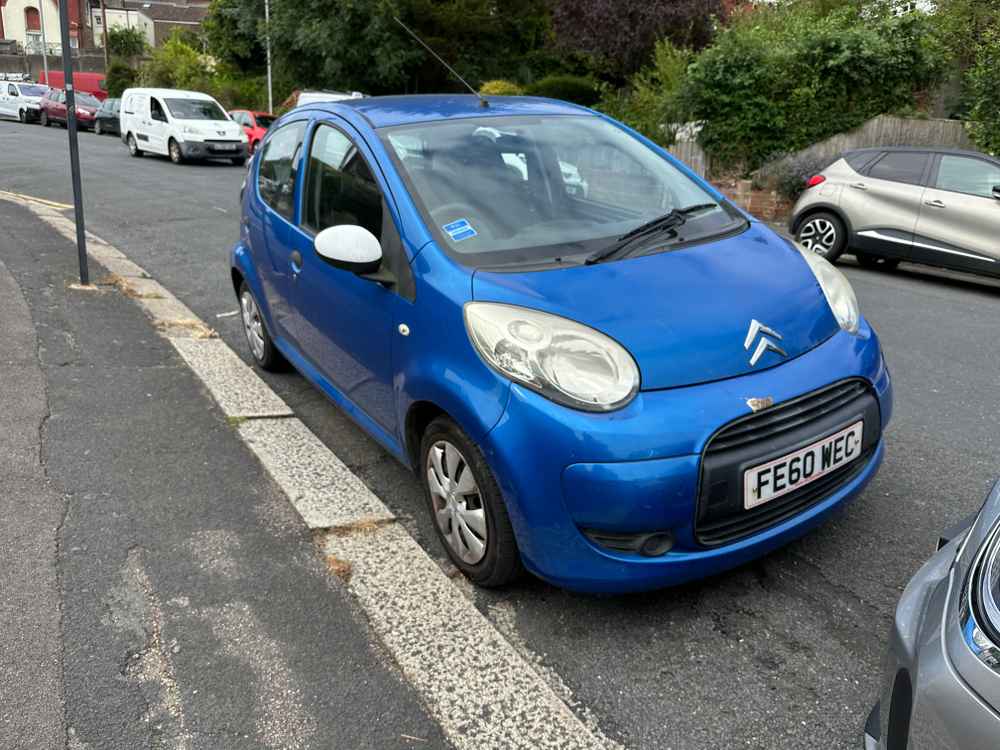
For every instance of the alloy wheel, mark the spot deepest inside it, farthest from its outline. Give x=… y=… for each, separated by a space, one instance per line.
x=458 y=504
x=253 y=326
x=819 y=235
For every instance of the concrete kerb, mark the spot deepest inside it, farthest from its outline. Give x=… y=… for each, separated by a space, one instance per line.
x=497 y=699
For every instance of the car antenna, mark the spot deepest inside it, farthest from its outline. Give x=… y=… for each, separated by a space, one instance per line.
x=482 y=100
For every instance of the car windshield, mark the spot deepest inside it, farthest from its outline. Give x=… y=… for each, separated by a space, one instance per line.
x=87 y=100
x=524 y=191
x=264 y=121
x=195 y=109
x=33 y=90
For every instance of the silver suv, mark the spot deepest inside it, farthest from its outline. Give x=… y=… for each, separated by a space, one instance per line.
x=924 y=205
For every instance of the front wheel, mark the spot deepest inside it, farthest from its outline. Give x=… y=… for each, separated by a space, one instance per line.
x=133 y=147
x=22 y=116
x=45 y=119
x=824 y=234
x=174 y=148
x=466 y=506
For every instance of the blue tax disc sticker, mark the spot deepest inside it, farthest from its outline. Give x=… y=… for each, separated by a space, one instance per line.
x=459 y=230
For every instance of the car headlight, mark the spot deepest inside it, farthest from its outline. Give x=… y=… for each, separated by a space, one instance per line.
x=188 y=130
x=836 y=288
x=564 y=361
x=977 y=566
x=985 y=594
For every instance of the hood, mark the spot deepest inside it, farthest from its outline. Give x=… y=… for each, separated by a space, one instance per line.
x=685 y=315
x=213 y=128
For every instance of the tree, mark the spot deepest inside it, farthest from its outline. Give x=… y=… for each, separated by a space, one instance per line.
x=177 y=65
x=619 y=35
x=120 y=76
x=983 y=84
x=126 y=43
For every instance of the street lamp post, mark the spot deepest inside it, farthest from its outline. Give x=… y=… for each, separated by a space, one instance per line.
x=74 y=146
x=267 y=26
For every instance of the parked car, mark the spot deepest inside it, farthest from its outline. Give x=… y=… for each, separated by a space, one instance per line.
x=184 y=125
x=107 y=117
x=925 y=205
x=941 y=680
x=21 y=100
x=620 y=391
x=87 y=83
x=255 y=124
x=315 y=97
x=53 y=109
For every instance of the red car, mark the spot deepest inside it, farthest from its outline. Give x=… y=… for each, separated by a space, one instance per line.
x=54 y=109
x=255 y=124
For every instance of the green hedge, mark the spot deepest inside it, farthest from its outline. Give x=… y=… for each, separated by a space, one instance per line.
x=577 y=89
x=983 y=85
x=500 y=87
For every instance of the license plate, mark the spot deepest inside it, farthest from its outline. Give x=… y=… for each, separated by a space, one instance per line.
x=225 y=146
x=764 y=483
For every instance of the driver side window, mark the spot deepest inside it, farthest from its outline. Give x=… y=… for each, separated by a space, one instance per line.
x=156 y=111
x=340 y=187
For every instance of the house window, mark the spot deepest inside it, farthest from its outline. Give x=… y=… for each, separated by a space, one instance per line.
x=32 y=21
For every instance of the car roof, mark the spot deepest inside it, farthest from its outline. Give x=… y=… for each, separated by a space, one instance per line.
x=387 y=111
x=918 y=149
x=173 y=93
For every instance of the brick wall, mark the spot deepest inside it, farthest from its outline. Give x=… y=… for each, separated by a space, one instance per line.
x=766 y=205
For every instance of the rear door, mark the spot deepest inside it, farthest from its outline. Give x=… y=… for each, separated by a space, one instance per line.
x=155 y=127
x=959 y=221
x=883 y=203
x=8 y=100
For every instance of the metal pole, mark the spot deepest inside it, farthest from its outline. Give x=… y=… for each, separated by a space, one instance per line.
x=74 y=149
x=45 y=44
x=104 y=26
x=267 y=24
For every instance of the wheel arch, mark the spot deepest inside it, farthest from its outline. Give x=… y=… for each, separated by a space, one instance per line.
x=824 y=208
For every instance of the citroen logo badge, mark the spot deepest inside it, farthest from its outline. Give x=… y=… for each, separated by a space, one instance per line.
x=759 y=332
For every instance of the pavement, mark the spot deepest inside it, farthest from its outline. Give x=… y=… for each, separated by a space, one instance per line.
x=783 y=652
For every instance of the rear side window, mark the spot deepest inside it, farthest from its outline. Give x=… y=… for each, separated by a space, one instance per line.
x=341 y=188
x=900 y=166
x=963 y=175
x=279 y=166
x=860 y=159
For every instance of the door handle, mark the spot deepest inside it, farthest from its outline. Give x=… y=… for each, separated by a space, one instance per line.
x=296 y=259
x=935 y=204
x=859 y=186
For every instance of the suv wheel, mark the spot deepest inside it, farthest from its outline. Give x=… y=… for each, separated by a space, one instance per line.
x=824 y=234
x=466 y=506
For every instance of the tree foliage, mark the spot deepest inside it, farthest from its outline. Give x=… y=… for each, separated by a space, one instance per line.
x=177 y=65
x=120 y=76
x=983 y=82
x=619 y=35
x=126 y=43
x=780 y=80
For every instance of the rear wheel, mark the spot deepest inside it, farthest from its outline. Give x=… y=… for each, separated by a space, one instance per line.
x=466 y=506
x=45 y=119
x=824 y=234
x=133 y=147
x=176 y=155
x=876 y=262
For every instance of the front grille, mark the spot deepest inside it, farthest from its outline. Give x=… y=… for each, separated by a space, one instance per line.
x=757 y=438
x=785 y=417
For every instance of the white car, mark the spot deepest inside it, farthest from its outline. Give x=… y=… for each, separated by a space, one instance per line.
x=184 y=125
x=21 y=100
x=311 y=97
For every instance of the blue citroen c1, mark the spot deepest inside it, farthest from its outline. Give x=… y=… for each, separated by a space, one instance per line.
x=599 y=368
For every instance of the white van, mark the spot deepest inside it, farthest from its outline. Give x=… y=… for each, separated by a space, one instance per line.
x=184 y=125
x=21 y=100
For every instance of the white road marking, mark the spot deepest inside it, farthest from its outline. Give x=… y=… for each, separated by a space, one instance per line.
x=230 y=314
x=480 y=689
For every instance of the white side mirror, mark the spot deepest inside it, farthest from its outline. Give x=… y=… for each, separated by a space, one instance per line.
x=350 y=247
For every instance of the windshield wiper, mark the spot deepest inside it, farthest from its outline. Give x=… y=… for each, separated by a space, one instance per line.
x=670 y=220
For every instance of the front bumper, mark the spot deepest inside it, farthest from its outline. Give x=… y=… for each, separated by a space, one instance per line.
x=214 y=149
x=936 y=693
x=566 y=474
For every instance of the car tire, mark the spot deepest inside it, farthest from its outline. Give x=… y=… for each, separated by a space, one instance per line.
x=97 y=128
x=133 y=147
x=467 y=509
x=265 y=354
x=876 y=262
x=44 y=119
x=22 y=116
x=824 y=234
x=174 y=150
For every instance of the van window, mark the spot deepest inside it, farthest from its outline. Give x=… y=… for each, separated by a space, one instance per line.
x=341 y=188
x=279 y=166
x=195 y=109
x=156 y=110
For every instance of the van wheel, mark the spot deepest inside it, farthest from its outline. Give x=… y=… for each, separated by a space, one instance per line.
x=133 y=147
x=45 y=119
x=824 y=234
x=175 y=152
x=22 y=116
x=466 y=506
x=876 y=262
x=262 y=347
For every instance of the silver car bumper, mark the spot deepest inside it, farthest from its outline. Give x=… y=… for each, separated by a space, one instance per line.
x=937 y=694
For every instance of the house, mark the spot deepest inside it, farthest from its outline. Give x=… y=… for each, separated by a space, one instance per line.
x=167 y=16
x=21 y=21
x=120 y=18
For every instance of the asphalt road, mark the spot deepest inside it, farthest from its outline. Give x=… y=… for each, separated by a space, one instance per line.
x=785 y=652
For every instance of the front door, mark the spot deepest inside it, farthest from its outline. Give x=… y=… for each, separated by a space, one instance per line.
x=960 y=219
x=271 y=221
x=884 y=203
x=344 y=323
x=8 y=100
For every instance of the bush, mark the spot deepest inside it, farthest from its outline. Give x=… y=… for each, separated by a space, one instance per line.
x=177 y=65
x=577 y=89
x=983 y=84
x=500 y=87
x=788 y=175
x=126 y=43
x=785 y=78
x=120 y=76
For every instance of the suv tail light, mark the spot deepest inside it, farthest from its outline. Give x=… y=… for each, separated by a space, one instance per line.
x=815 y=180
